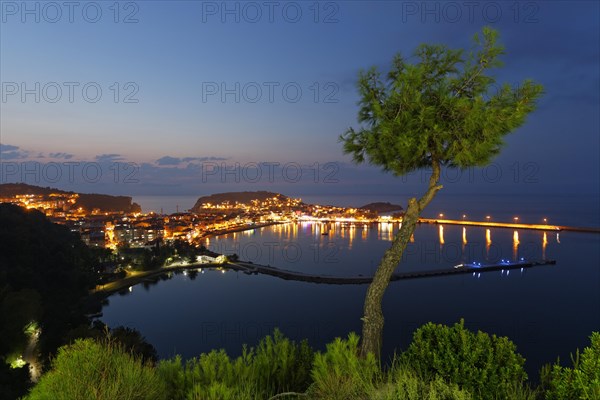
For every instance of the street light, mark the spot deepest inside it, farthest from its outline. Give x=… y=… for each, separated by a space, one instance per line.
x=464 y=216
x=545 y=220
x=441 y=215
x=488 y=217
x=516 y=219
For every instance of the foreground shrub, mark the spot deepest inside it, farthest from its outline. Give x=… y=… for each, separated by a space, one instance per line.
x=580 y=382
x=220 y=391
x=405 y=384
x=276 y=365
x=130 y=339
x=487 y=366
x=281 y=365
x=442 y=363
x=91 y=370
x=340 y=374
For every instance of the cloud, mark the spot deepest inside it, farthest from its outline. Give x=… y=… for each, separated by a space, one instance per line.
x=205 y=159
x=10 y=152
x=168 y=160
x=7 y=147
x=109 y=158
x=65 y=156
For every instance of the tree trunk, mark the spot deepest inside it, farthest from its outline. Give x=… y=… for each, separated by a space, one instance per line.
x=373 y=315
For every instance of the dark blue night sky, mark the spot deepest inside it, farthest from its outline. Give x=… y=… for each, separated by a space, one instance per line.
x=190 y=87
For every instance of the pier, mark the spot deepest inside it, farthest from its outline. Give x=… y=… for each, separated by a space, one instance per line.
x=476 y=269
x=472 y=268
x=509 y=225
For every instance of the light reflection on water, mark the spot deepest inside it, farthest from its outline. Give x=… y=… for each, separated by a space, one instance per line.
x=546 y=311
x=355 y=248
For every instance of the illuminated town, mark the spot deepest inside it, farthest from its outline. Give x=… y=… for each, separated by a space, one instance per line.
x=117 y=229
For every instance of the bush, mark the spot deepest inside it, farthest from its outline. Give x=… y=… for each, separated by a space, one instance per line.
x=280 y=365
x=276 y=365
x=405 y=384
x=95 y=370
x=487 y=366
x=219 y=391
x=212 y=375
x=580 y=382
x=173 y=374
x=341 y=374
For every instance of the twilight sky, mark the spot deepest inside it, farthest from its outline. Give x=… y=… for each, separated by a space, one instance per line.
x=192 y=89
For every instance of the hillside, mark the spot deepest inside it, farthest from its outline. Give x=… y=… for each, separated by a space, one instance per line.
x=14 y=189
x=107 y=203
x=87 y=201
x=46 y=272
x=380 y=207
x=241 y=197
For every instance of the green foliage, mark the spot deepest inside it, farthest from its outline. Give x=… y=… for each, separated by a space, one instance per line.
x=405 y=384
x=518 y=391
x=173 y=373
x=487 y=366
x=130 y=339
x=276 y=365
x=580 y=382
x=220 y=391
x=340 y=373
x=440 y=109
x=281 y=365
x=442 y=363
x=133 y=341
x=95 y=370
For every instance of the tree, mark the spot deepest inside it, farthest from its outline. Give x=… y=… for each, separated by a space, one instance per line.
x=439 y=111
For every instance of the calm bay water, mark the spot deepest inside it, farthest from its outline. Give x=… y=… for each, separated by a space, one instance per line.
x=547 y=311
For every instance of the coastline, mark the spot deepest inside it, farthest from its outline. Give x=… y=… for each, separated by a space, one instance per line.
x=103 y=291
x=240 y=229
x=134 y=278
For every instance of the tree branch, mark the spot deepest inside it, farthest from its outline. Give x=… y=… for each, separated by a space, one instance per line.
x=470 y=79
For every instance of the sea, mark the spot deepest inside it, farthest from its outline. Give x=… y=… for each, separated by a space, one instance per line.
x=547 y=311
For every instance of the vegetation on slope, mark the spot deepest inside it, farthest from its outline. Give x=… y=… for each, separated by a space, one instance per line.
x=279 y=368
